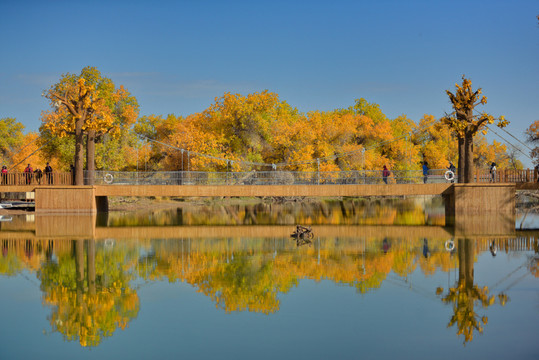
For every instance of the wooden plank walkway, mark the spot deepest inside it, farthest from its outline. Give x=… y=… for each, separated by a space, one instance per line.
x=272 y=190
x=262 y=190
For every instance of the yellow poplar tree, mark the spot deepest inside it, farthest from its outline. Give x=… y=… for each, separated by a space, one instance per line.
x=87 y=103
x=466 y=124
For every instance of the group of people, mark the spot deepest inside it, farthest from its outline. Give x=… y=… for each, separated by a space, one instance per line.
x=38 y=174
x=386 y=172
x=30 y=174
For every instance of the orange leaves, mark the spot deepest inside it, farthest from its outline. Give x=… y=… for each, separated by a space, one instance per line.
x=90 y=98
x=28 y=154
x=532 y=131
x=259 y=128
x=464 y=102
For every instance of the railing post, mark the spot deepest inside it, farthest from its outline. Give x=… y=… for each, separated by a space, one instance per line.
x=318 y=172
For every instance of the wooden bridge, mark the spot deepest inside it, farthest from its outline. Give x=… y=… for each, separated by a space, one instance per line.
x=81 y=199
x=460 y=199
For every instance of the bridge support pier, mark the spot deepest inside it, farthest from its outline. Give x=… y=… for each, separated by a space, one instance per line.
x=474 y=209
x=69 y=199
x=102 y=204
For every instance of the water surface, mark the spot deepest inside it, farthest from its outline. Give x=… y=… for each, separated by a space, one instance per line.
x=376 y=280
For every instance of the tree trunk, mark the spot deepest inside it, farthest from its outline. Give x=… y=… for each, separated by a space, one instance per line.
x=90 y=157
x=91 y=266
x=79 y=152
x=468 y=159
x=461 y=166
x=79 y=265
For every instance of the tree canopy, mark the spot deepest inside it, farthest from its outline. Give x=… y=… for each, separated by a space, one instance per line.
x=465 y=123
x=87 y=104
x=244 y=132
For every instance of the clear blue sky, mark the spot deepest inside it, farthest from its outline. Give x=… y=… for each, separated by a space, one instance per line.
x=177 y=56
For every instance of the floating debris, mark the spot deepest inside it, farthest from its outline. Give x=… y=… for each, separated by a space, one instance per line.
x=303 y=235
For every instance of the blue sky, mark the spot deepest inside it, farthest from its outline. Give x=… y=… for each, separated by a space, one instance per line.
x=177 y=56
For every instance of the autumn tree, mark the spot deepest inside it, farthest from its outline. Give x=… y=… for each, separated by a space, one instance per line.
x=375 y=132
x=244 y=123
x=532 y=136
x=436 y=142
x=29 y=153
x=87 y=104
x=11 y=138
x=486 y=154
x=466 y=123
x=237 y=131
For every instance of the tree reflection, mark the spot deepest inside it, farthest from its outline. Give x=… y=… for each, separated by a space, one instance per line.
x=241 y=285
x=466 y=295
x=351 y=211
x=89 y=293
x=87 y=284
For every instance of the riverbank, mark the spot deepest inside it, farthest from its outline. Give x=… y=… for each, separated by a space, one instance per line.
x=145 y=203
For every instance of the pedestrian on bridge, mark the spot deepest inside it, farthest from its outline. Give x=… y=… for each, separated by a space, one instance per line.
x=453 y=169
x=28 y=171
x=48 y=174
x=4 y=175
x=425 y=172
x=385 y=174
x=493 y=172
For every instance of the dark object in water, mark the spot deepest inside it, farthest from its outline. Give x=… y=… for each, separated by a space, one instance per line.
x=302 y=232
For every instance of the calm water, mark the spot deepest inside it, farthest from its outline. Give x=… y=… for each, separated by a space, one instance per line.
x=377 y=280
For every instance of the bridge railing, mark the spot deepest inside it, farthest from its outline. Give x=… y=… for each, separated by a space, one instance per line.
x=507 y=176
x=266 y=177
x=21 y=178
x=358 y=177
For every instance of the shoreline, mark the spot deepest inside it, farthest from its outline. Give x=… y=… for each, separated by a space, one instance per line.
x=132 y=204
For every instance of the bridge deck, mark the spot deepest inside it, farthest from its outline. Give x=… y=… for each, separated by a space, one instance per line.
x=260 y=190
x=272 y=190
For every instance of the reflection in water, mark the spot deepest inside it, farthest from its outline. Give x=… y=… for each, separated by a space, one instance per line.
x=89 y=284
x=411 y=211
x=465 y=295
x=90 y=276
x=303 y=235
x=88 y=291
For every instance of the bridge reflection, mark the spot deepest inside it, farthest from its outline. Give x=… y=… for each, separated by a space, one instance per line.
x=85 y=227
x=85 y=282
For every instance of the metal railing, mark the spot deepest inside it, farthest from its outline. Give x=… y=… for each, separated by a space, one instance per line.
x=358 y=177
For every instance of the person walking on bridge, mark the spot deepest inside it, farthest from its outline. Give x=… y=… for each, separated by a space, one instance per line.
x=493 y=172
x=28 y=172
x=425 y=172
x=4 y=175
x=453 y=169
x=48 y=174
x=385 y=174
